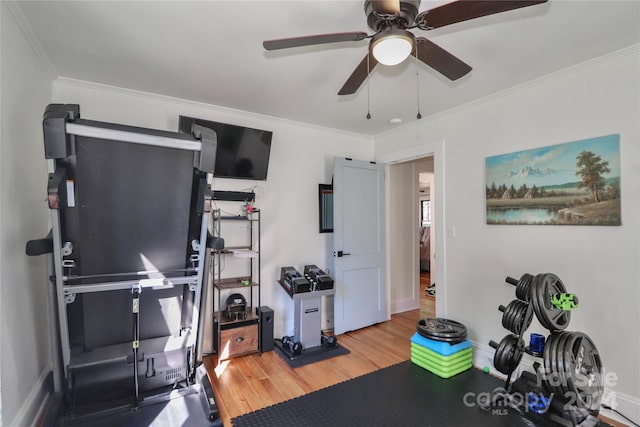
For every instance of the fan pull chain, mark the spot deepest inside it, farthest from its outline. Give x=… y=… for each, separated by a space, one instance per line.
x=418 y=116
x=368 y=108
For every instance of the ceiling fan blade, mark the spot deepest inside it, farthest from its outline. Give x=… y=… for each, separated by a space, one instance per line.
x=463 y=10
x=313 y=40
x=439 y=59
x=359 y=75
x=385 y=7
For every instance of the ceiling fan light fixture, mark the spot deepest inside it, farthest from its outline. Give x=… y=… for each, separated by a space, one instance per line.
x=392 y=46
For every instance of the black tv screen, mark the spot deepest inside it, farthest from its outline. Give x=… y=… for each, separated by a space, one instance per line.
x=242 y=152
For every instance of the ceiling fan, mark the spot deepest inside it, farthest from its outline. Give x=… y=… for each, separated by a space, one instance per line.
x=392 y=42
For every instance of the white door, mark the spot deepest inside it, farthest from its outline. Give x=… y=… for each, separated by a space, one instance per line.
x=359 y=246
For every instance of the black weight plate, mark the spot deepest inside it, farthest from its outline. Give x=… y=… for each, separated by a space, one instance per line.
x=548 y=368
x=507 y=316
x=523 y=318
x=559 y=364
x=508 y=356
x=546 y=351
x=534 y=300
x=564 y=353
x=440 y=329
x=501 y=357
x=551 y=317
x=583 y=371
x=549 y=354
x=522 y=288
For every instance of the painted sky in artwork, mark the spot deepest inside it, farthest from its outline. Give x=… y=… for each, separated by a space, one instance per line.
x=552 y=165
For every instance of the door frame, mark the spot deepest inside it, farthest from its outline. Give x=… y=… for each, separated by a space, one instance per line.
x=437 y=150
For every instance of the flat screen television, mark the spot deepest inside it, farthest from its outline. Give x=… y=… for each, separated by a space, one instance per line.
x=242 y=153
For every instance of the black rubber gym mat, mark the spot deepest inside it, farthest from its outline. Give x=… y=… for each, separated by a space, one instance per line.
x=400 y=395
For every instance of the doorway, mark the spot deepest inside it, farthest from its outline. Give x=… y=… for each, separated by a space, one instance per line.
x=411 y=236
x=426 y=286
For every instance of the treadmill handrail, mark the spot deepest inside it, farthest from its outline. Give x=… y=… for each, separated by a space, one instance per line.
x=132 y=137
x=130 y=284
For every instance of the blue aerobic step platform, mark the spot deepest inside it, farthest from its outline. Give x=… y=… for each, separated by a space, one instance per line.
x=441 y=347
x=441 y=358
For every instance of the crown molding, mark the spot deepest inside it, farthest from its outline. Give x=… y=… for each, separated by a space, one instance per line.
x=591 y=63
x=30 y=35
x=199 y=104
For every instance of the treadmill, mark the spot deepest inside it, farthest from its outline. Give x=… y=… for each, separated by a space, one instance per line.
x=127 y=272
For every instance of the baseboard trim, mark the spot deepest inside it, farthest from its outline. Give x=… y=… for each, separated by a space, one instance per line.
x=626 y=404
x=407 y=304
x=35 y=404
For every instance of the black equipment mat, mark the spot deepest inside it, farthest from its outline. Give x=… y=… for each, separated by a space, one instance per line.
x=312 y=355
x=401 y=395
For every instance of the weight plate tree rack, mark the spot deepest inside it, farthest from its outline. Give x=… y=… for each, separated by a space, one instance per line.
x=572 y=366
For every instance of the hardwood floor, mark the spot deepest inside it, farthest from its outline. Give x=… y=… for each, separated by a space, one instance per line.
x=252 y=382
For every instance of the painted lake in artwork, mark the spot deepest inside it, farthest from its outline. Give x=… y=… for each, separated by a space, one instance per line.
x=520 y=215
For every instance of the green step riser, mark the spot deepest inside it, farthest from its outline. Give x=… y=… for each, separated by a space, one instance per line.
x=438 y=358
x=464 y=364
x=441 y=374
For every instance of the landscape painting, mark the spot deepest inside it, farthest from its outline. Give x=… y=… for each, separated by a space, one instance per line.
x=576 y=183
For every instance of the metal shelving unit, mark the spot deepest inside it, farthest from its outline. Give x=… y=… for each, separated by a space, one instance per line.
x=236 y=336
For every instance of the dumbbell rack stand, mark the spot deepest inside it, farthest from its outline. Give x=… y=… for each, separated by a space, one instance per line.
x=307 y=328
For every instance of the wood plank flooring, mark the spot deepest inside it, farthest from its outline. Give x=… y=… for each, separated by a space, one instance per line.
x=252 y=382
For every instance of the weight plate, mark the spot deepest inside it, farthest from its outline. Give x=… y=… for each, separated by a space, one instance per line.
x=551 y=375
x=522 y=288
x=583 y=371
x=516 y=317
x=508 y=354
x=549 y=315
x=558 y=366
x=533 y=296
x=439 y=329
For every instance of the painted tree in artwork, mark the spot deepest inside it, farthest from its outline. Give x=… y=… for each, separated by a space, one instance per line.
x=591 y=169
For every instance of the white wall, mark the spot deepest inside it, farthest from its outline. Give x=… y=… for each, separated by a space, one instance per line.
x=599 y=264
x=402 y=225
x=26 y=90
x=301 y=158
x=403 y=215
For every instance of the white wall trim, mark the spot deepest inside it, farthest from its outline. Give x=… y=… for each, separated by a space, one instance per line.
x=626 y=404
x=30 y=35
x=197 y=104
x=400 y=306
x=35 y=403
x=627 y=51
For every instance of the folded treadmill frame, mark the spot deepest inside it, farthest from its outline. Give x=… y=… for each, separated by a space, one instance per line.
x=83 y=359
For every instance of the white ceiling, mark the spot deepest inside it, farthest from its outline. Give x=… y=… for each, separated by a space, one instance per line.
x=211 y=51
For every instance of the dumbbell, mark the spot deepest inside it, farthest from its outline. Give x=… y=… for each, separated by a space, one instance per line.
x=329 y=341
x=294 y=347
